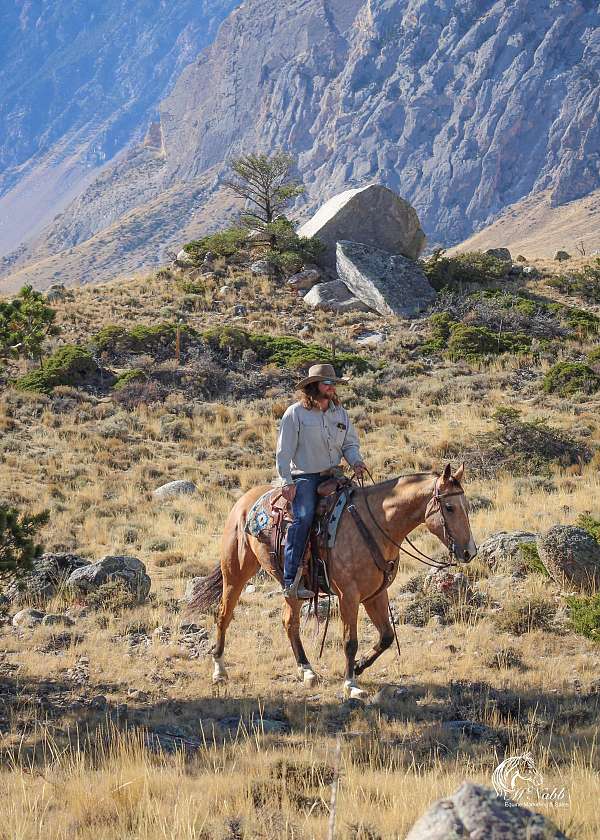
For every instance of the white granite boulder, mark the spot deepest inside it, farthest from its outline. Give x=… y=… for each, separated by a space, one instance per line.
x=333 y=296
x=175 y=488
x=476 y=812
x=373 y=215
x=128 y=570
x=388 y=283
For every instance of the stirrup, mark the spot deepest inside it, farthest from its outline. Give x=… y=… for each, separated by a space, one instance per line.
x=297 y=590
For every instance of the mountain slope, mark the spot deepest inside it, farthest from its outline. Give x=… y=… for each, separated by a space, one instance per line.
x=78 y=81
x=534 y=227
x=464 y=108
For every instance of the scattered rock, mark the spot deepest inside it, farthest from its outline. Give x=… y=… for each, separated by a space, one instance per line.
x=128 y=570
x=58 y=620
x=562 y=256
x=452 y=585
x=263 y=268
x=304 y=279
x=502 y=552
x=369 y=338
x=240 y=310
x=335 y=296
x=137 y=695
x=530 y=271
x=391 y=284
x=477 y=812
x=572 y=557
x=521 y=258
x=175 y=488
x=372 y=215
x=500 y=254
x=183 y=258
x=49 y=573
x=388 y=695
x=28 y=618
x=57 y=292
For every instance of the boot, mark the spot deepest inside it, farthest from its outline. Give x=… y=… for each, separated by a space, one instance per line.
x=297 y=589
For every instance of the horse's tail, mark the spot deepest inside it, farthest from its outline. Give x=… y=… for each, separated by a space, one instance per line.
x=207 y=592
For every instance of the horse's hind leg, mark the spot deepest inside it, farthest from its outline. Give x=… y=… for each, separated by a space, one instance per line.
x=378 y=611
x=291 y=622
x=238 y=564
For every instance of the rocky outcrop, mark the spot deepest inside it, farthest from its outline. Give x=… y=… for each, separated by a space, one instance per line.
x=572 y=557
x=372 y=215
x=128 y=570
x=48 y=574
x=388 y=283
x=462 y=108
x=333 y=296
x=502 y=551
x=77 y=85
x=476 y=812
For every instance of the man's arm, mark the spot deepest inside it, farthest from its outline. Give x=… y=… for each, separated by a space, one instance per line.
x=351 y=446
x=286 y=446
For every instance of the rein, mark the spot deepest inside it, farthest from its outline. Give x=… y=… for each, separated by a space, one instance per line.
x=425 y=559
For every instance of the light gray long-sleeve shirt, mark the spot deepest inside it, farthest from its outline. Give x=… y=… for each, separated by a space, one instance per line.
x=311 y=440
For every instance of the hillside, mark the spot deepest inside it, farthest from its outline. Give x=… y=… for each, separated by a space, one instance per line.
x=463 y=111
x=534 y=227
x=78 y=83
x=110 y=724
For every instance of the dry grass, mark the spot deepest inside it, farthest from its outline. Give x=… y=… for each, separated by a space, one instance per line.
x=98 y=485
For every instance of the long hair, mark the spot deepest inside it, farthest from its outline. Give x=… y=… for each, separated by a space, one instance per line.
x=307 y=396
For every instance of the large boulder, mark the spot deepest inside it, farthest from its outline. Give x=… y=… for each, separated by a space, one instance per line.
x=476 y=812
x=333 y=296
x=372 y=215
x=48 y=574
x=500 y=254
x=502 y=551
x=572 y=557
x=172 y=489
x=388 y=283
x=128 y=570
x=304 y=279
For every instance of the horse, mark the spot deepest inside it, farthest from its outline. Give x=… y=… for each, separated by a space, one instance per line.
x=391 y=510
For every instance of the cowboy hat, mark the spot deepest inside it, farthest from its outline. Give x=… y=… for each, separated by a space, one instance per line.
x=320 y=373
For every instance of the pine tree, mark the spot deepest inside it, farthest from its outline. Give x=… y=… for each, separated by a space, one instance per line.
x=266 y=185
x=18 y=547
x=25 y=323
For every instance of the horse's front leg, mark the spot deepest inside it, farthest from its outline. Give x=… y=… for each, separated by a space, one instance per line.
x=378 y=611
x=349 y=603
x=291 y=622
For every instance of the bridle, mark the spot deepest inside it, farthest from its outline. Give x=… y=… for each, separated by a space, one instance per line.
x=433 y=506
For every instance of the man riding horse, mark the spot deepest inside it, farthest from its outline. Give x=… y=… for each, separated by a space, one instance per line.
x=315 y=433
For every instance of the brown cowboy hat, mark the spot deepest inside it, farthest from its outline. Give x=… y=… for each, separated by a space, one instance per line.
x=321 y=373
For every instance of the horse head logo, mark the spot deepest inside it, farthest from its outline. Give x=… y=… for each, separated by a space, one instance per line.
x=515 y=773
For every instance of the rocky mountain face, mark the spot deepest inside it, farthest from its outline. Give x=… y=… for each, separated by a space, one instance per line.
x=78 y=82
x=462 y=107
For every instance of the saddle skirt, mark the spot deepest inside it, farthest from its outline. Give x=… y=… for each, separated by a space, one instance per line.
x=270 y=516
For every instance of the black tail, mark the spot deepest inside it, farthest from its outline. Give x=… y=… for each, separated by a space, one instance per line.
x=207 y=592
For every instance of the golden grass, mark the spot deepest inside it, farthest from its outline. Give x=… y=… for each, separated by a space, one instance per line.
x=98 y=486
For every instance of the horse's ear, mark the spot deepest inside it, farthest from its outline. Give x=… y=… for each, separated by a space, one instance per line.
x=459 y=472
x=447 y=474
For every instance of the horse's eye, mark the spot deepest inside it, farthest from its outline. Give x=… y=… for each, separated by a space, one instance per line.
x=450 y=508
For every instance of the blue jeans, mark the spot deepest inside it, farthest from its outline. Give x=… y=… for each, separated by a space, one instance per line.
x=303 y=511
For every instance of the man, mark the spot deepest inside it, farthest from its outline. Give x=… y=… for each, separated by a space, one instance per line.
x=315 y=434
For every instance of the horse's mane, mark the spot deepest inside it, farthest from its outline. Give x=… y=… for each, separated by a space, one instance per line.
x=408 y=478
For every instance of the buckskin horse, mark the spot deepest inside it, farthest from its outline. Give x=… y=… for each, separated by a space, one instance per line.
x=389 y=510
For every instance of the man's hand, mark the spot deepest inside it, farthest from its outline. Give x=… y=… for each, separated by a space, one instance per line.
x=360 y=469
x=288 y=491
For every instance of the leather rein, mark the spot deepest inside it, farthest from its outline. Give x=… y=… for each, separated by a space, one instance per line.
x=434 y=506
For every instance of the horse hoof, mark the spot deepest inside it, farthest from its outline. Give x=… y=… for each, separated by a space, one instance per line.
x=308 y=676
x=353 y=692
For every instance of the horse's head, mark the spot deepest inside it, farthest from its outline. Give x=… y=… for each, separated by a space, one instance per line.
x=447 y=515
